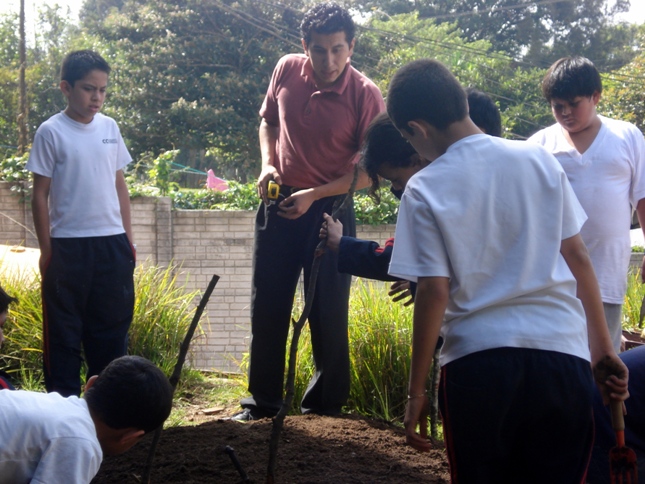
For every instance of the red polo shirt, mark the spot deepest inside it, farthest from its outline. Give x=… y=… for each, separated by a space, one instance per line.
x=321 y=131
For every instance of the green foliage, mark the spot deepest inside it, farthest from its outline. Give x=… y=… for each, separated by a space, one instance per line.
x=624 y=90
x=161 y=170
x=12 y=170
x=21 y=353
x=162 y=315
x=380 y=338
x=368 y=212
x=633 y=300
x=243 y=196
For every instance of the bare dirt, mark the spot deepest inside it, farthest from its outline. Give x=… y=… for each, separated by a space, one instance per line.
x=313 y=449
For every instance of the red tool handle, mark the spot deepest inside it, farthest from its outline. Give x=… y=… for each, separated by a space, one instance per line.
x=618 y=421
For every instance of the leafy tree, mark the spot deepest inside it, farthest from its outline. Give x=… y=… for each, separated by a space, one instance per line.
x=624 y=90
x=401 y=38
x=191 y=75
x=536 y=32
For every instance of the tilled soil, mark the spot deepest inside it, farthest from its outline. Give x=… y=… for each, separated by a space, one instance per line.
x=313 y=449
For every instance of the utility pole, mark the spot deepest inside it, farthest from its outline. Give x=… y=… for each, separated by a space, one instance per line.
x=22 y=115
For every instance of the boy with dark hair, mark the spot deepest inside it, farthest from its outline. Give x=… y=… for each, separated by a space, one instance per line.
x=387 y=155
x=490 y=233
x=81 y=210
x=5 y=300
x=604 y=160
x=45 y=437
x=314 y=116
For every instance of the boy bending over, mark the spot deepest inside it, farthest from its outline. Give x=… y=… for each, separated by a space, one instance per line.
x=490 y=232
x=45 y=437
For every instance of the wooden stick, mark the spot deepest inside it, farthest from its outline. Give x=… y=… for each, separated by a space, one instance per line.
x=174 y=378
x=278 y=421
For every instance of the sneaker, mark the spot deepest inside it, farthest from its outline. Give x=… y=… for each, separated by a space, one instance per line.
x=247 y=415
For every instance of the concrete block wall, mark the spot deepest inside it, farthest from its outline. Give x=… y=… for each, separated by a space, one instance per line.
x=200 y=243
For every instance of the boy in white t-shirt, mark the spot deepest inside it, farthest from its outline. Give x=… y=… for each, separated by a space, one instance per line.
x=45 y=437
x=490 y=233
x=604 y=160
x=81 y=210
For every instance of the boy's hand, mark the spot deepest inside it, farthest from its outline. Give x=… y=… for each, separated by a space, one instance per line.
x=400 y=290
x=416 y=413
x=45 y=255
x=612 y=377
x=333 y=231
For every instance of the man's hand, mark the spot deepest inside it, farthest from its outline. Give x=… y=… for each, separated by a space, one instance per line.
x=297 y=204
x=400 y=290
x=333 y=231
x=268 y=173
x=416 y=413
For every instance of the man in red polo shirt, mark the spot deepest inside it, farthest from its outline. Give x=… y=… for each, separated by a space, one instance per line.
x=315 y=113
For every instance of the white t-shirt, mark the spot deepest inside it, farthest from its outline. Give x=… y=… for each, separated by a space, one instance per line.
x=609 y=180
x=82 y=161
x=490 y=215
x=46 y=438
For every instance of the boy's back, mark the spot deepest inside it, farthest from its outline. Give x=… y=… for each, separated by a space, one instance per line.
x=46 y=437
x=494 y=228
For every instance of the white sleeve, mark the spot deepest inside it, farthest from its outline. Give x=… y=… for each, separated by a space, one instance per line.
x=419 y=249
x=70 y=460
x=42 y=157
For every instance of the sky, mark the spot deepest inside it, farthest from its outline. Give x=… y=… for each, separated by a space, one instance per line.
x=635 y=15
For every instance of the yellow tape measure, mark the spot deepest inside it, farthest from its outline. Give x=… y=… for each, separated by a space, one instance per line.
x=273 y=190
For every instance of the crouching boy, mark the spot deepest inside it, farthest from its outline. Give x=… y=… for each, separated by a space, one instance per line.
x=45 y=437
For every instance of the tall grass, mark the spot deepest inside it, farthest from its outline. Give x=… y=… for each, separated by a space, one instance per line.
x=380 y=347
x=162 y=315
x=633 y=302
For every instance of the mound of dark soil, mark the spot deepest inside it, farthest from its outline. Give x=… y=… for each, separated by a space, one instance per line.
x=313 y=449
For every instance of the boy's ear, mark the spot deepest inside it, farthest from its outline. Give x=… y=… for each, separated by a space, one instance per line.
x=131 y=436
x=595 y=97
x=420 y=128
x=66 y=88
x=90 y=382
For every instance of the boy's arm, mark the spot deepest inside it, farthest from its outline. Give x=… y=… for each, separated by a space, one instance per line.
x=40 y=211
x=124 y=203
x=610 y=372
x=430 y=307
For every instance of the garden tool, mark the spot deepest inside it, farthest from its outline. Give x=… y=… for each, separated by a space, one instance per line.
x=623 y=467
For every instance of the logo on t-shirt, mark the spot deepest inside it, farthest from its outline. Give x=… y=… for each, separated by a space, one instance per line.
x=109 y=141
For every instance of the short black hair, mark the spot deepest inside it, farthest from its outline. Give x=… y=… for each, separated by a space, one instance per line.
x=426 y=90
x=327 y=18
x=383 y=144
x=78 y=64
x=5 y=300
x=131 y=392
x=484 y=112
x=570 y=77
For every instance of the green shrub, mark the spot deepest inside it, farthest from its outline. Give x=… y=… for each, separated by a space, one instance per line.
x=633 y=301
x=162 y=315
x=380 y=336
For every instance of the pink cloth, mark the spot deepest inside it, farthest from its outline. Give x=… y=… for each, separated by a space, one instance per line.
x=321 y=132
x=215 y=183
